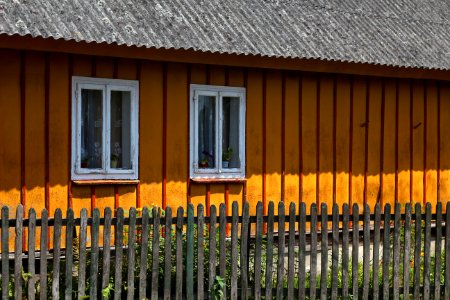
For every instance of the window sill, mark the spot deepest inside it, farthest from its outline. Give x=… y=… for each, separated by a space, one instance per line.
x=105 y=182
x=218 y=180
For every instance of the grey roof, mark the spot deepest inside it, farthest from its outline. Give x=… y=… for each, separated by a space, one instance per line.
x=408 y=33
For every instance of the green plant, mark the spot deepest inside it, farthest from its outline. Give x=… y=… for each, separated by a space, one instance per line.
x=216 y=291
x=226 y=155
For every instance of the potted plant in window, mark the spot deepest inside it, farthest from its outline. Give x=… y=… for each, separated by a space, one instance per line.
x=114 y=161
x=203 y=163
x=226 y=157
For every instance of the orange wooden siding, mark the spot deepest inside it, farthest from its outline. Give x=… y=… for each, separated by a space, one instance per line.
x=358 y=139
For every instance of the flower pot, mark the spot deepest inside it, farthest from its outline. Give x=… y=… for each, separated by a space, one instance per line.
x=225 y=164
x=114 y=164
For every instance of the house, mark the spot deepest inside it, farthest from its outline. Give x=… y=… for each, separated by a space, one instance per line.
x=132 y=103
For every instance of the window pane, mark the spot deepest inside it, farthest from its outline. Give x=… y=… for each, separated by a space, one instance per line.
x=230 y=133
x=206 y=131
x=120 y=130
x=91 y=129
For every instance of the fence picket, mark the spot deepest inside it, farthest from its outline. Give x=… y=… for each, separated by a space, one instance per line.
x=269 y=251
x=335 y=252
x=258 y=250
x=345 y=247
x=396 y=259
x=131 y=255
x=82 y=255
x=407 y=248
x=5 y=252
x=376 y=251
x=386 y=249
x=106 y=248
x=244 y=253
x=324 y=252
x=355 y=251
x=168 y=254
x=56 y=253
x=302 y=252
x=44 y=255
x=18 y=254
x=179 y=254
x=32 y=254
x=447 y=254
x=212 y=246
x=234 y=250
x=95 y=231
x=118 y=264
x=366 y=252
x=417 y=246
x=222 y=242
x=281 y=248
x=291 y=243
x=313 y=255
x=145 y=228
x=437 y=253
x=155 y=253
x=200 y=252
x=69 y=254
x=427 y=259
x=190 y=253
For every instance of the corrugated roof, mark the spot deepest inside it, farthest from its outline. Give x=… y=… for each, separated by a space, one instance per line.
x=407 y=33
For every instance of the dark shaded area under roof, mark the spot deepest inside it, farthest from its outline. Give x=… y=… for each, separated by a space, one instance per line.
x=406 y=33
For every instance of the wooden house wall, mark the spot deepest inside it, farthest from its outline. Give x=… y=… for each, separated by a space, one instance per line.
x=311 y=137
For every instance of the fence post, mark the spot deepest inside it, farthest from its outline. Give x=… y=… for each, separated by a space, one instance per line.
x=222 y=243
x=324 y=252
x=313 y=255
x=345 y=252
x=396 y=260
x=131 y=254
x=427 y=259
x=291 y=243
x=407 y=249
x=106 y=248
x=95 y=229
x=190 y=253
x=366 y=252
x=281 y=240
x=437 y=253
x=244 y=253
x=376 y=251
x=118 y=237
x=69 y=254
x=168 y=253
x=335 y=252
x=302 y=252
x=355 y=251
x=386 y=249
x=5 y=252
x=18 y=254
x=201 y=252
x=32 y=254
x=44 y=254
x=179 y=253
x=417 y=248
x=269 y=251
x=56 y=253
x=144 y=254
x=258 y=245
x=234 y=250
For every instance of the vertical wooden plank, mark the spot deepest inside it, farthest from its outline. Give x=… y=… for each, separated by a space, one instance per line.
x=302 y=252
x=190 y=253
x=324 y=252
x=212 y=246
x=437 y=253
x=386 y=249
x=258 y=244
x=313 y=255
x=234 y=250
x=404 y=142
x=179 y=254
x=57 y=253
x=44 y=254
x=32 y=254
x=417 y=249
x=355 y=251
x=5 y=252
x=366 y=252
x=281 y=249
x=447 y=254
x=222 y=242
x=18 y=254
x=244 y=250
x=168 y=253
x=118 y=264
x=291 y=244
x=345 y=252
x=82 y=258
x=406 y=248
x=269 y=251
x=155 y=253
x=93 y=289
x=144 y=254
x=69 y=254
x=427 y=259
x=335 y=253
x=106 y=248
x=396 y=262
x=201 y=251
x=376 y=251
x=131 y=255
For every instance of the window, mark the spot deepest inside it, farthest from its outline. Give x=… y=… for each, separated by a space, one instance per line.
x=104 y=129
x=217 y=148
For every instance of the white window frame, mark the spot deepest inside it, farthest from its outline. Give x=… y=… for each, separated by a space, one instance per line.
x=106 y=85
x=219 y=92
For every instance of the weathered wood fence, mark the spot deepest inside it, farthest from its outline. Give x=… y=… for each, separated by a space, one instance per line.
x=299 y=254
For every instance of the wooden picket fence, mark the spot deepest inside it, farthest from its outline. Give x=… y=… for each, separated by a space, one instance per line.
x=151 y=254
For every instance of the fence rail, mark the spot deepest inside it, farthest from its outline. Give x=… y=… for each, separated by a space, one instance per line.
x=330 y=252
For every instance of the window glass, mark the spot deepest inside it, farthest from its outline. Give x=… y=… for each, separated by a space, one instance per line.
x=230 y=132
x=206 y=131
x=120 y=130
x=91 y=128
